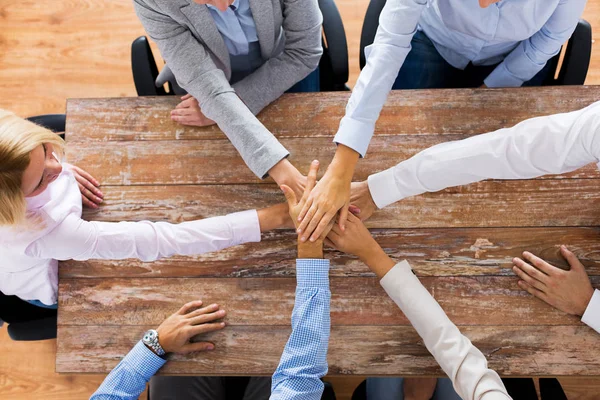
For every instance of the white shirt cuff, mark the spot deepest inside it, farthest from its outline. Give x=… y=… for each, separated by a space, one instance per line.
x=246 y=227
x=591 y=316
x=383 y=188
x=354 y=134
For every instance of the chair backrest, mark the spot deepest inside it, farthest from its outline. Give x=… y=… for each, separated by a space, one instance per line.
x=54 y=122
x=572 y=72
x=144 y=69
x=26 y=321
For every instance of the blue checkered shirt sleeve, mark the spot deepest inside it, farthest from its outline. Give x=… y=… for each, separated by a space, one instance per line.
x=128 y=379
x=304 y=359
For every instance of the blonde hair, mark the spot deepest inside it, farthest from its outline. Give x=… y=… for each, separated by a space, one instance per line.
x=18 y=137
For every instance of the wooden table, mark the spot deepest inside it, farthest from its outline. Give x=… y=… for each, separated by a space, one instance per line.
x=460 y=241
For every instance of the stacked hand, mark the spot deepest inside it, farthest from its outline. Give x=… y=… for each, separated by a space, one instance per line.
x=176 y=332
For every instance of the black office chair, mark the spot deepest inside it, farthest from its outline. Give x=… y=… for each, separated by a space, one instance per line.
x=25 y=321
x=572 y=72
x=333 y=66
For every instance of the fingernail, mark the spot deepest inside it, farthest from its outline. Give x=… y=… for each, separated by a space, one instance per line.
x=214 y=305
x=210 y=347
x=303 y=239
x=221 y=312
x=222 y=323
x=312 y=239
x=562 y=246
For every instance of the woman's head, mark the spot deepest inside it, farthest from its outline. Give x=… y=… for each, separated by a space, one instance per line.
x=222 y=5
x=27 y=164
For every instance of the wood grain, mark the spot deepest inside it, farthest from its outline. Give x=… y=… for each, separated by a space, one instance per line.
x=574 y=202
x=353 y=350
x=474 y=300
x=318 y=115
x=431 y=252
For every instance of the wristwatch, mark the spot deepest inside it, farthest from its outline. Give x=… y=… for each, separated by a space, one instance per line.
x=150 y=339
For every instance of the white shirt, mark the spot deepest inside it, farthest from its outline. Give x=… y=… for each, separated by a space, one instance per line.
x=552 y=144
x=29 y=267
x=520 y=35
x=464 y=364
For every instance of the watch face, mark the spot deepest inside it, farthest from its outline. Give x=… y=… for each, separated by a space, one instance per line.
x=149 y=336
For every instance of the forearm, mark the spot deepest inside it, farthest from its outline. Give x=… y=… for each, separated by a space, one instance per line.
x=128 y=379
x=273 y=217
x=545 y=145
x=464 y=364
x=397 y=25
x=304 y=358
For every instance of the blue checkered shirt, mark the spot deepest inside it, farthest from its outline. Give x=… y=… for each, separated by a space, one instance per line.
x=303 y=362
x=304 y=359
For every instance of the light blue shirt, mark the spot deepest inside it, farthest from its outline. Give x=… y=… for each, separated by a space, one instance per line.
x=303 y=362
x=236 y=26
x=518 y=35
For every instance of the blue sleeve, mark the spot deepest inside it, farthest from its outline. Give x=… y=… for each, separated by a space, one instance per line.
x=128 y=379
x=531 y=55
x=304 y=359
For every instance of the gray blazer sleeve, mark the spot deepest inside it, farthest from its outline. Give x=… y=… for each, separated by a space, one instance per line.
x=302 y=22
x=197 y=73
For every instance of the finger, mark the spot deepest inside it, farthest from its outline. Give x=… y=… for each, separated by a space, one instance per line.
x=89 y=195
x=327 y=230
x=185 y=103
x=571 y=258
x=183 y=120
x=185 y=97
x=312 y=225
x=531 y=281
x=87 y=202
x=203 y=319
x=311 y=179
x=289 y=194
x=343 y=217
x=353 y=219
x=182 y=112
x=336 y=229
x=322 y=226
x=531 y=271
x=189 y=306
x=353 y=209
x=87 y=176
x=90 y=186
x=205 y=310
x=306 y=214
x=205 y=328
x=533 y=291
x=329 y=242
x=197 y=346
x=540 y=264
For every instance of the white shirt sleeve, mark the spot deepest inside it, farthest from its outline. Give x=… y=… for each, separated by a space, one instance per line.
x=464 y=364
x=397 y=25
x=77 y=239
x=544 y=145
x=591 y=316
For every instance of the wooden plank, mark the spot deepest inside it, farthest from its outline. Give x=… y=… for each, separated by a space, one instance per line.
x=212 y=161
x=482 y=300
x=356 y=350
x=567 y=202
x=319 y=114
x=431 y=252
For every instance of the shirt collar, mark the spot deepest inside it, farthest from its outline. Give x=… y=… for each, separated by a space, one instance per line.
x=235 y=5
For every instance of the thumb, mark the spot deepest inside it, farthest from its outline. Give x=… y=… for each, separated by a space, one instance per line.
x=289 y=194
x=572 y=259
x=185 y=97
x=196 y=346
x=354 y=209
x=343 y=217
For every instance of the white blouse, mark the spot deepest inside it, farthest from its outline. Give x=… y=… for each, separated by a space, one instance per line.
x=464 y=364
x=29 y=267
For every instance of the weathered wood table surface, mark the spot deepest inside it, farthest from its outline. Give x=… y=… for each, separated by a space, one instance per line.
x=460 y=241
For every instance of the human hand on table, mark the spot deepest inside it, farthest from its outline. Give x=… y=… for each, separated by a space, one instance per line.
x=91 y=196
x=188 y=112
x=361 y=199
x=569 y=291
x=175 y=333
x=330 y=195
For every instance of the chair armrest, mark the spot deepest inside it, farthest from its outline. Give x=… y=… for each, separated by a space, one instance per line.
x=144 y=69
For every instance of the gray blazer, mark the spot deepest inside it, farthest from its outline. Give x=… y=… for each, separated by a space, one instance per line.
x=289 y=33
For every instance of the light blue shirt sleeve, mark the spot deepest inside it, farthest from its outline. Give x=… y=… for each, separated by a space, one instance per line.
x=236 y=25
x=384 y=60
x=128 y=379
x=304 y=359
x=531 y=55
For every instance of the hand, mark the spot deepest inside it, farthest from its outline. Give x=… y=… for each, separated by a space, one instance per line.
x=419 y=388
x=360 y=198
x=484 y=86
x=188 y=113
x=91 y=196
x=274 y=217
x=330 y=195
x=569 y=291
x=284 y=173
x=175 y=332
